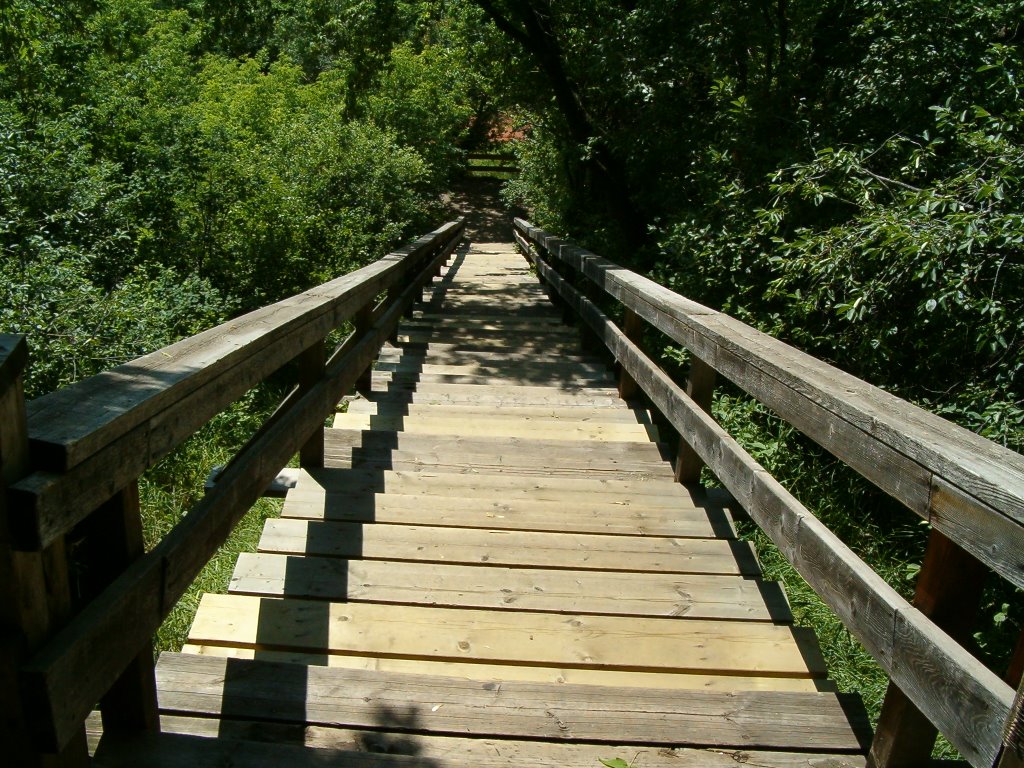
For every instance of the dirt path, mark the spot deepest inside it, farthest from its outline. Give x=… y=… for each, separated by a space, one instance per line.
x=488 y=219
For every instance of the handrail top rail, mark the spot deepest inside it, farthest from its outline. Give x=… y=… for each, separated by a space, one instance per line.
x=961 y=481
x=69 y=425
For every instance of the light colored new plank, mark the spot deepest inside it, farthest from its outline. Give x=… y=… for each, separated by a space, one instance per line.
x=401 y=407
x=514 y=548
x=525 y=674
x=456 y=634
x=514 y=589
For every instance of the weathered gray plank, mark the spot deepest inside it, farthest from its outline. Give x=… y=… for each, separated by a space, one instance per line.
x=386 y=748
x=564 y=713
x=953 y=681
x=891 y=442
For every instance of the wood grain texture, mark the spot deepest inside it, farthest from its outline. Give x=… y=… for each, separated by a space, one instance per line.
x=80 y=663
x=535 y=639
x=240 y=744
x=509 y=547
x=509 y=589
x=563 y=713
x=489 y=672
x=447 y=750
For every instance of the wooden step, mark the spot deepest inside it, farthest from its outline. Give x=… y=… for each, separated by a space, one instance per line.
x=694 y=646
x=398 y=405
x=516 y=394
x=551 y=516
x=475 y=546
x=650 y=492
x=537 y=590
x=511 y=425
x=349 y=698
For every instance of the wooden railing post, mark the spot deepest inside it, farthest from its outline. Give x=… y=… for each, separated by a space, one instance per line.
x=948 y=592
x=633 y=327
x=311 y=372
x=35 y=594
x=700 y=386
x=362 y=321
x=131 y=704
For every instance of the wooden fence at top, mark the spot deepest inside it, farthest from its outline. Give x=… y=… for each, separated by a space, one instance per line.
x=485 y=163
x=969 y=489
x=72 y=638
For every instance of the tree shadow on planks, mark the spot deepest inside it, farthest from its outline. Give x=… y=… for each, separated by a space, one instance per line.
x=276 y=703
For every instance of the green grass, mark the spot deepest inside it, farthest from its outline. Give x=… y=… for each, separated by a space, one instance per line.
x=175 y=484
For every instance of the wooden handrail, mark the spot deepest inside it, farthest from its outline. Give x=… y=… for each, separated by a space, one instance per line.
x=966 y=701
x=150 y=406
x=117 y=424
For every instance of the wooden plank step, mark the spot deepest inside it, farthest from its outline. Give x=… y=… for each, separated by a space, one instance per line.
x=524 y=394
x=523 y=549
x=483 y=322
x=185 y=750
x=385 y=381
x=537 y=590
x=433 y=751
x=381 y=380
x=461 y=634
x=544 y=370
x=424 y=422
x=528 y=674
x=460 y=356
x=558 y=380
x=400 y=406
x=652 y=492
x=551 y=516
x=508 y=454
x=429 y=344
x=324 y=696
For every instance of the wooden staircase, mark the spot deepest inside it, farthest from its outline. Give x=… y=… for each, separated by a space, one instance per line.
x=496 y=567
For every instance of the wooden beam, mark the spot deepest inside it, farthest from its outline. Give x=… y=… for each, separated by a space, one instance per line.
x=700 y=386
x=137 y=413
x=949 y=589
x=633 y=328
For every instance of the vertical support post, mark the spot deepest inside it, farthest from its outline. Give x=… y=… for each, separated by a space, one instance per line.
x=35 y=594
x=700 y=386
x=311 y=372
x=948 y=592
x=130 y=705
x=633 y=327
x=362 y=321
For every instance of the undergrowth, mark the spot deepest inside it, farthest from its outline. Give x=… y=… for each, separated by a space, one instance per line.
x=175 y=484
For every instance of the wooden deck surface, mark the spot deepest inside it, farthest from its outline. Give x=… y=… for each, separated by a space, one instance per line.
x=496 y=568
